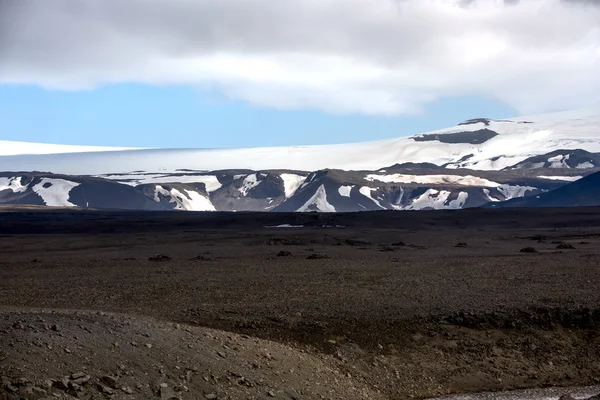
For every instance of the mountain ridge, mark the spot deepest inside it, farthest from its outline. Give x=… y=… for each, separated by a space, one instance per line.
x=476 y=162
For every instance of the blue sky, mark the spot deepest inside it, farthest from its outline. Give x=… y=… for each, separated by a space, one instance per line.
x=181 y=116
x=218 y=73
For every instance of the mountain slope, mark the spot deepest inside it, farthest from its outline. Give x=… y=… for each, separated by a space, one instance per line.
x=481 y=144
x=584 y=192
x=400 y=187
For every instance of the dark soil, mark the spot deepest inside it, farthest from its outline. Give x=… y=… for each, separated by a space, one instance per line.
x=421 y=320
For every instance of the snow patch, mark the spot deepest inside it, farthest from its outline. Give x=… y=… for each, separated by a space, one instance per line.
x=285 y=226
x=437 y=200
x=189 y=201
x=584 y=165
x=559 y=161
x=489 y=196
x=318 y=202
x=211 y=182
x=561 y=178
x=13 y=184
x=510 y=192
x=345 y=190
x=250 y=182
x=291 y=183
x=368 y=192
x=57 y=194
x=467 y=180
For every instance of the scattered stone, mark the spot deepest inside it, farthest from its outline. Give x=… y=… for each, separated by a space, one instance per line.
x=60 y=384
x=386 y=248
x=82 y=381
x=126 y=389
x=565 y=246
x=210 y=396
x=33 y=392
x=159 y=258
x=22 y=381
x=358 y=242
x=221 y=354
x=528 y=250
x=167 y=393
x=567 y=396
x=77 y=375
x=104 y=389
x=109 y=381
x=461 y=244
x=201 y=258
x=316 y=256
x=399 y=244
x=284 y=253
x=10 y=388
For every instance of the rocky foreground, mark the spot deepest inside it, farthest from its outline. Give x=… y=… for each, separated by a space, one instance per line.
x=96 y=355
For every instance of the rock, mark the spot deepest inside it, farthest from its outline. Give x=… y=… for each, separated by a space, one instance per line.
x=104 y=389
x=67 y=351
x=159 y=258
x=210 y=396
x=316 y=257
x=399 y=244
x=149 y=345
x=271 y=393
x=567 y=396
x=60 y=384
x=10 y=388
x=166 y=393
x=565 y=246
x=221 y=354
x=33 y=393
x=460 y=244
x=528 y=250
x=284 y=253
x=126 y=389
x=77 y=375
x=55 y=328
x=82 y=380
x=109 y=381
x=358 y=242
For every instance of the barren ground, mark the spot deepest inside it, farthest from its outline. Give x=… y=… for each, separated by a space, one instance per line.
x=385 y=302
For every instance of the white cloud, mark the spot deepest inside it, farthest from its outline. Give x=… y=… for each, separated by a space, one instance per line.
x=367 y=56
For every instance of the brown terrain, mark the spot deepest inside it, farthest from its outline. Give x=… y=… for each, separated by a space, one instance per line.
x=386 y=305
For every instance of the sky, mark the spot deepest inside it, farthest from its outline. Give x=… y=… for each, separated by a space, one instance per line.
x=240 y=73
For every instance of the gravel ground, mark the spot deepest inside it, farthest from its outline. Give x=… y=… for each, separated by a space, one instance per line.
x=391 y=297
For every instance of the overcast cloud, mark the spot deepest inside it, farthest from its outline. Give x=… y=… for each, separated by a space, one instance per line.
x=367 y=56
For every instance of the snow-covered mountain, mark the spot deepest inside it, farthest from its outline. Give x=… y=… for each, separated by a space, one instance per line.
x=471 y=164
x=481 y=144
x=583 y=193
x=11 y=148
x=399 y=187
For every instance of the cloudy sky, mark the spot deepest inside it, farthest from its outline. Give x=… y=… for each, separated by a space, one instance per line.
x=213 y=73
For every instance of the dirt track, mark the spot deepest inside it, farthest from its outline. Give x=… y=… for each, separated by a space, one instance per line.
x=389 y=295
